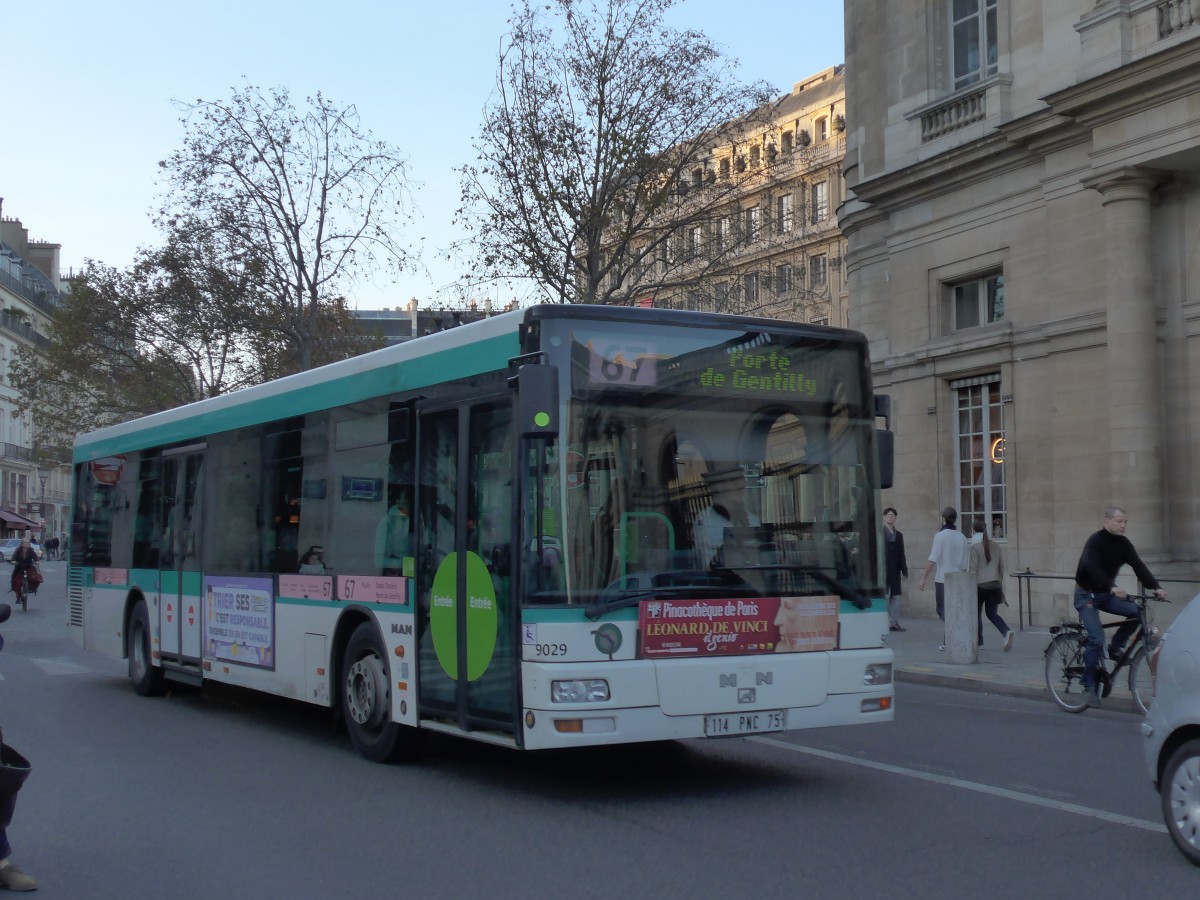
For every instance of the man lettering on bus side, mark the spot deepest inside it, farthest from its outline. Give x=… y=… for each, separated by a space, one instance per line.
x=1096 y=591
x=950 y=553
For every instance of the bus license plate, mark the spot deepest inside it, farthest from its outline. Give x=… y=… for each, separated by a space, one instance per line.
x=743 y=723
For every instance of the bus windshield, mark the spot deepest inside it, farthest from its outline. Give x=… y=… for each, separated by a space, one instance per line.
x=714 y=463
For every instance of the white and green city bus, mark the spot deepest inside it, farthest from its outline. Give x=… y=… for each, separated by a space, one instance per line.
x=556 y=527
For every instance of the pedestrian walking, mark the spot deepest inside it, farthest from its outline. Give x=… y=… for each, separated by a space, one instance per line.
x=895 y=565
x=987 y=562
x=949 y=553
x=1096 y=591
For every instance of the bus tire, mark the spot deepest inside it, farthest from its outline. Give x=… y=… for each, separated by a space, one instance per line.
x=366 y=699
x=143 y=675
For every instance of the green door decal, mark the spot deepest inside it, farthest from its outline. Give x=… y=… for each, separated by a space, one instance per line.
x=481 y=616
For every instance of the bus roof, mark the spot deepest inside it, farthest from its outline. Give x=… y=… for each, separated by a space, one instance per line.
x=481 y=346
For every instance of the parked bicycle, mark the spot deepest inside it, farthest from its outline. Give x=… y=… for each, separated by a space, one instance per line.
x=1065 y=664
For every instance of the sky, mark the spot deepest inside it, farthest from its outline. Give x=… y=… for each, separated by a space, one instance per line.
x=89 y=90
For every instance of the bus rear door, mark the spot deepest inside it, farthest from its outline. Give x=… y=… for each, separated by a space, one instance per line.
x=179 y=566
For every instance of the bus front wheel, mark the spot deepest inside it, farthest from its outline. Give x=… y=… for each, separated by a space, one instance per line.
x=145 y=678
x=366 y=699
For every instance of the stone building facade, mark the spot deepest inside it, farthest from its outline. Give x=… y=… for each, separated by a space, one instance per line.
x=768 y=243
x=32 y=489
x=1023 y=225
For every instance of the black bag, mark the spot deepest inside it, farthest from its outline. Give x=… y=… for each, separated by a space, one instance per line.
x=14 y=769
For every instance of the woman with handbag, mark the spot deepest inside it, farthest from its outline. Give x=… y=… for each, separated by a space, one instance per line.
x=987 y=562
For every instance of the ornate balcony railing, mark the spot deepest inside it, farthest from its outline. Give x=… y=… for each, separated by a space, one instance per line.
x=1175 y=16
x=957 y=112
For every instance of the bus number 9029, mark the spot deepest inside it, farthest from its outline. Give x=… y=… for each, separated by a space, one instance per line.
x=550 y=649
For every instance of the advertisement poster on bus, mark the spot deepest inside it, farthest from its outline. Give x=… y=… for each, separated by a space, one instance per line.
x=239 y=620
x=681 y=627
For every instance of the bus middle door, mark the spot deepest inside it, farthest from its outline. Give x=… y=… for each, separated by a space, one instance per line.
x=179 y=568
x=465 y=556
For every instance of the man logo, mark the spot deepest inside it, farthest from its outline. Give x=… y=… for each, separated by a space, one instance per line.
x=729 y=681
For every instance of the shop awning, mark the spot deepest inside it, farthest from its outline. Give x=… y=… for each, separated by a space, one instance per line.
x=10 y=519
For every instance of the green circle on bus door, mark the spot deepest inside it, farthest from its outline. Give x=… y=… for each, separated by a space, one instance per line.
x=482 y=616
x=542 y=419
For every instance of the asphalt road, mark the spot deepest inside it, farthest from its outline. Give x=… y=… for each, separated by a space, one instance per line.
x=223 y=793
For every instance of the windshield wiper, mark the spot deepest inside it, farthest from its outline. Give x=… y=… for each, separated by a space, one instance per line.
x=599 y=608
x=854 y=595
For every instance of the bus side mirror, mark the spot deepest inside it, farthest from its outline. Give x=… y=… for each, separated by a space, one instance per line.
x=885 y=442
x=537 y=400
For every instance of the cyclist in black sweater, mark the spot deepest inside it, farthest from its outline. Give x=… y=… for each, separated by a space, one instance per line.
x=1096 y=591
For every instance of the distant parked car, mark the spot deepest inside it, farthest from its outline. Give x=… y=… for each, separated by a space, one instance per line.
x=1172 y=729
x=9 y=545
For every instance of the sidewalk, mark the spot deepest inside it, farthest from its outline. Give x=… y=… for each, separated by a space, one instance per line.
x=1021 y=672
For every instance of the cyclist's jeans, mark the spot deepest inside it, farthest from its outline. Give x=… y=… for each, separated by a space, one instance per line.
x=1089 y=606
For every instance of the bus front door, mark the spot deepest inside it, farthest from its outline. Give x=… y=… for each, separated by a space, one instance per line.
x=180 y=608
x=468 y=668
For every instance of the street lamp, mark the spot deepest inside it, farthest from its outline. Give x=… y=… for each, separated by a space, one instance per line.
x=43 y=477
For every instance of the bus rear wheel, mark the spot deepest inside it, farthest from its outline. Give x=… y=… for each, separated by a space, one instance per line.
x=366 y=699
x=145 y=678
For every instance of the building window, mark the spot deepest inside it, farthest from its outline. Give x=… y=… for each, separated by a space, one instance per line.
x=724 y=232
x=979 y=301
x=755 y=156
x=783 y=279
x=821 y=129
x=722 y=297
x=697 y=178
x=724 y=167
x=751 y=223
x=817 y=271
x=785 y=142
x=693 y=300
x=750 y=289
x=820 y=201
x=980 y=450
x=974 y=30
x=695 y=241
x=784 y=217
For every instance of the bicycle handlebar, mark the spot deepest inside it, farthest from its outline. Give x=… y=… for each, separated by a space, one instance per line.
x=1144 y=597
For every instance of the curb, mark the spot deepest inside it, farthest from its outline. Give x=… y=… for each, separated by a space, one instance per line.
x=1114 y=703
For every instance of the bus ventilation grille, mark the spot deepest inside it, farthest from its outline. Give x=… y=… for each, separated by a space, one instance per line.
x=74 y=597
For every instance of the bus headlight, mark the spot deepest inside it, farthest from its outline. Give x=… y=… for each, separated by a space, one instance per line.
x=878 y=673
x=592 y=690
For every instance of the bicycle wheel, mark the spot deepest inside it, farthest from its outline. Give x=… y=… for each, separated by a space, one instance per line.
x=1141 y=683
x=1064 y=672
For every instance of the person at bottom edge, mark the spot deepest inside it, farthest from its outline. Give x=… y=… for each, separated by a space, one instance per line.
x=14 y=769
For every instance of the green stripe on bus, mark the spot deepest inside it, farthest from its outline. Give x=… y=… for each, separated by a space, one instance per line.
x=407 y=375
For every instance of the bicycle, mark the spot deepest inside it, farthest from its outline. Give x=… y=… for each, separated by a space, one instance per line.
x=22 y=590
x=1065 y=663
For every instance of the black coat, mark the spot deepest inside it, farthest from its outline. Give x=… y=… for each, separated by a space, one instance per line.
x=894 y=562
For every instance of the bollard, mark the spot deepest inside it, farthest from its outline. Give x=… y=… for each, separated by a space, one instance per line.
x=962 y=618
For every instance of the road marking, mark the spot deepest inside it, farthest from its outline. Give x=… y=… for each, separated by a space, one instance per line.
x=60 y=665
x=1019 y=796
